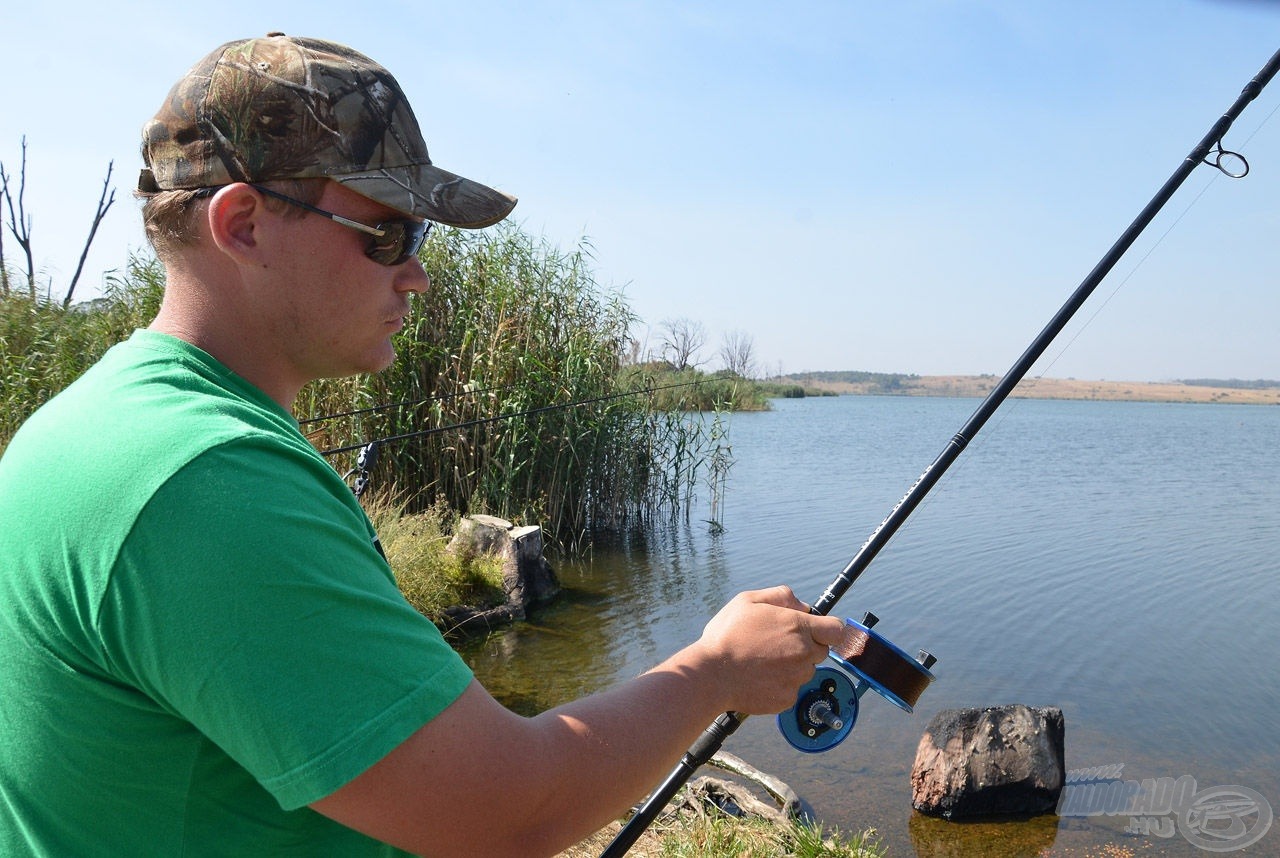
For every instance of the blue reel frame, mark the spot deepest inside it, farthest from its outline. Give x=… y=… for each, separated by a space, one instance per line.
x=827 y=705
x=825 y=711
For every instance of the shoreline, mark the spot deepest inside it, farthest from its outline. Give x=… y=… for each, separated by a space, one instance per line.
x=978 y=386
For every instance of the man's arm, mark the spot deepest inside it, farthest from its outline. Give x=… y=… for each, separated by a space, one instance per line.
x=480 y=780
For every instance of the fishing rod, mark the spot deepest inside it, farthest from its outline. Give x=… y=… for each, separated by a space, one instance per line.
x=890 y=670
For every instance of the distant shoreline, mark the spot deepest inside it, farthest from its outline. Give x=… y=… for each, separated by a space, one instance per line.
x=1048 y=388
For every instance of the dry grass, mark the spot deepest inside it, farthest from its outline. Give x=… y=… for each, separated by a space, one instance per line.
x=695 y=836
x=431 y=578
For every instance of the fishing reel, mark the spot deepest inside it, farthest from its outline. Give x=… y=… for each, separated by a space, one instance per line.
x=827 y=705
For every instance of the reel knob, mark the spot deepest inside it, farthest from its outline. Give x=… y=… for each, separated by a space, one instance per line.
x=825 y=711
x=827 y=705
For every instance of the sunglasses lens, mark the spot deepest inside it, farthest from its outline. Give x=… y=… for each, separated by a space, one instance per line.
x=400 y=242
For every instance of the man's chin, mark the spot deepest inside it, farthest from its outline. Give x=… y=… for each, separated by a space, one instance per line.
x=382 y=360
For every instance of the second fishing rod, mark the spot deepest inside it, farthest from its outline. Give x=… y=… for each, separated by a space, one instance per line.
x=899 y=678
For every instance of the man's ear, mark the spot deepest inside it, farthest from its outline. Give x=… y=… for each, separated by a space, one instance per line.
x=235 y=216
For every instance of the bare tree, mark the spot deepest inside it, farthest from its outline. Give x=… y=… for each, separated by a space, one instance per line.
x=19 y=224
x=737 y=353
x=4 y=265
x=19 y=220
x=682 y=339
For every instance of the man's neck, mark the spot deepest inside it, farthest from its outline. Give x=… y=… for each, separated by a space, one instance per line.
x=233 y=344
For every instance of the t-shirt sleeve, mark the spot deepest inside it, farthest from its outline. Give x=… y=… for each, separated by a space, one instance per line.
x=250 y=600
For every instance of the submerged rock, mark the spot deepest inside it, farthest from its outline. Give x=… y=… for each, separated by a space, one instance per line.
x=1003 y=760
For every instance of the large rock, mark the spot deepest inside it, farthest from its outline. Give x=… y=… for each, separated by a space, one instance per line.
x=1003 y=760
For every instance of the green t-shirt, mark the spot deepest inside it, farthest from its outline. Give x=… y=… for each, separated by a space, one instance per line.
x=198 y=633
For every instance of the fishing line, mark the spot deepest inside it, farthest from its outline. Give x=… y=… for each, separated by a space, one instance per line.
x=406 y=404
x=1013 y=407
x=1107 y=300
x=480 y=421
x=825 y=705
x=1213 y=179
x=367 y=458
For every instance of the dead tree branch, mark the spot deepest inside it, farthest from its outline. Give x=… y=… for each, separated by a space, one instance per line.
x=98 y=215
x=4 y=266
x=737 y=351
x=19 y=220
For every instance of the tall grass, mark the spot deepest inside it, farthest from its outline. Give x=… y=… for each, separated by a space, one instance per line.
x=44 y=347
x=431 y=577
x=510 y=325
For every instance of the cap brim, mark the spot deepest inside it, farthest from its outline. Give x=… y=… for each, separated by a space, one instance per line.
x=426 y=191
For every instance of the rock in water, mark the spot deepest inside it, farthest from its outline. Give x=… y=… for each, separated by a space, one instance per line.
x=1002 y=760
x=527 y=577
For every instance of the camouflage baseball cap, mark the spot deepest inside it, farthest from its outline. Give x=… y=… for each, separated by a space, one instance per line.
x=292 y=108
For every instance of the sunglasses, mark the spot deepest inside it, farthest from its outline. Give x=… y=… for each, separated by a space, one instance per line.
x=392 y=242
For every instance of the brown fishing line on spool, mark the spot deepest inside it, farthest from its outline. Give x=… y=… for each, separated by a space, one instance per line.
x=884 y=663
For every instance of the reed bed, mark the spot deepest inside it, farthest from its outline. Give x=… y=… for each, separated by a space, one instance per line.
x=511 y=388
x=44 y=346
x=510 y=385
x=693 y=390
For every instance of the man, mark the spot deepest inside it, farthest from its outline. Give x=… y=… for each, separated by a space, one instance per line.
x=202 y=650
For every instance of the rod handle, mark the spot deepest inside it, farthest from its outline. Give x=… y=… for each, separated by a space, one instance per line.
x=699 y=753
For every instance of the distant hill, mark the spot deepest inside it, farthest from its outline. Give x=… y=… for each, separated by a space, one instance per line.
x=865 y=382
x=978 y=386
x=1256 y=384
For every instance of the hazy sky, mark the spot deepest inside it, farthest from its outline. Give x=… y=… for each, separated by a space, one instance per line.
x=910 y=186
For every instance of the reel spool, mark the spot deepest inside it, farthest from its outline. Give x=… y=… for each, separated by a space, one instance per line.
x=827 y=705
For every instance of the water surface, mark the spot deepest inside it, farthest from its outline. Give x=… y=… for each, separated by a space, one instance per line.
x=1115 y=559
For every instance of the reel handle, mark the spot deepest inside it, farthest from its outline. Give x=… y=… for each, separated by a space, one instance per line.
x=827 y=705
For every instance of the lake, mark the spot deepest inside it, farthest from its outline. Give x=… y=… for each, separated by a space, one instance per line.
x=1114 y=559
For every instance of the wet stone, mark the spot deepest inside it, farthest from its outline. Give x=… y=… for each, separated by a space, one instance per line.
x=997 y=761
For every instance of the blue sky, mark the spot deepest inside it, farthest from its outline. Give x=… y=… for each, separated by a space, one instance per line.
x=899 y=187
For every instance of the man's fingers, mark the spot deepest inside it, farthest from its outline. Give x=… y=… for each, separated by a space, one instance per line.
x=782 y=596
x=828 y=631
x=824 y=630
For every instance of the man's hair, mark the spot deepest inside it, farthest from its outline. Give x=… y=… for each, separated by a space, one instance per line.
x=169 y=217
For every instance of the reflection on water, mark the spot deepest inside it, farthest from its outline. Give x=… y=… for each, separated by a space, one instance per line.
x=937 y=838
x=1117 y=560
x=634 y=602
x=560 y=654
